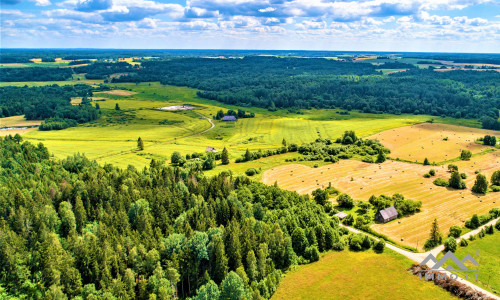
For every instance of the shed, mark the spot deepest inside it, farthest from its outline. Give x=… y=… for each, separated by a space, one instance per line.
x=229 y=118
x=210 y=149
x=386 y=215
x=341 y=215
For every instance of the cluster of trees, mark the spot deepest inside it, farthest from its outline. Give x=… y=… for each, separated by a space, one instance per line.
x=346 y=147
x=50 y=103
x=240 y=114
x=476 y=221
x=36 y=74
x=101 y=70
x=403 y=206
x=489 y=140
x=74 y=228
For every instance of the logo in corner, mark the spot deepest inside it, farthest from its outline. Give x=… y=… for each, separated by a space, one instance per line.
x=450 y=256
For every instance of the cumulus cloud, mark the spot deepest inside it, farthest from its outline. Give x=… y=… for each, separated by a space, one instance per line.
x=93 y=5
x=15 y=13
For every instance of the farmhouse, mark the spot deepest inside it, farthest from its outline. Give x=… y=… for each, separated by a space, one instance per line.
x=341 y=215
x=386 y=215
x=211 y=149
x=229 y=118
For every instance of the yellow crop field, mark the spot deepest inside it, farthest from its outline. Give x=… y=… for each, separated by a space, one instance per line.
x=361 y=180
x=437 y=142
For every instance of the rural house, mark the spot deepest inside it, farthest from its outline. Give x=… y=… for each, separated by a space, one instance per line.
x=210 y=149
x=341 y=215
x=229 y=118
x=386 y=215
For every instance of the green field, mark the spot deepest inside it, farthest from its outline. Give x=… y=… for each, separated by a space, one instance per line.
x=112 y=139
x=357 y=275
x=487 y=253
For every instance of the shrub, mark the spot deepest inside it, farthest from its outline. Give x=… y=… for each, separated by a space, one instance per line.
x=429 y=244
x=440 y=182
x=312 y=253
x=464 y=243
x=455 y=231
x=348 y=220
x=251 y=172
x=379 y=246
x=463 y=175
x=452 y=168
x=495 y=178
x=427 y=175
x=495 y=188
x=432 y=172
x=450 y=244
x=356 y=242
x=465 y=155
x=489 y=229
x=345 y=200
x=497 y=225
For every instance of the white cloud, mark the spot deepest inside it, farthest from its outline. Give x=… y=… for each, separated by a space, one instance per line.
x=15 y=13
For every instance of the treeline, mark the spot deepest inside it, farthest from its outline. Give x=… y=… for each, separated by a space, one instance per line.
x=35 y=74
x=74 y=228
x=50 y=103
x=241 y=114
x=273 y=82
x=101 y=70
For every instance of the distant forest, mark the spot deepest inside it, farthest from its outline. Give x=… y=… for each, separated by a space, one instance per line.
x=292 y=82
x=51 y=103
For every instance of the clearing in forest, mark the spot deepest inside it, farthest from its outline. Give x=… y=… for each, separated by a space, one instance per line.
x=437 y=142
x=117 y=92
x=361 y=180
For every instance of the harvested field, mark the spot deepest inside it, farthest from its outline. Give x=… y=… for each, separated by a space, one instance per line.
x=416 y=142
x=450 y=207
x=17 y=124
x=117 y=93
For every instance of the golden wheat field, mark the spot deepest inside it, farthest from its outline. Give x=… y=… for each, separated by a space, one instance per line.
x=416 y=142
x=361 y=180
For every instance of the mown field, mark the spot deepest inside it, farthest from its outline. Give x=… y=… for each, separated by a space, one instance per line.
x=113 y=138
x=487 y=253
x=357 y=275
x=437 y=142
x=361 y=180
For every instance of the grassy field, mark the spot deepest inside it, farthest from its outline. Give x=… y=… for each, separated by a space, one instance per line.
x=487 y=253
x=437 y=142
x=361 y=180
x=113 y=138
x=357 y=275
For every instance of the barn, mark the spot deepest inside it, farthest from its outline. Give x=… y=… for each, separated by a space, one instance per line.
x=229 y=118
x=386 y=215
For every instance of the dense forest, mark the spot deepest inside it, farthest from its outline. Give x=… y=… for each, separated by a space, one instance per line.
x=273 y=82
x=73 y=228
x=51 y=103
x=35 y=74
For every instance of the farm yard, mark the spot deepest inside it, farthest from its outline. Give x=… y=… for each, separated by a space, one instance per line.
x=361 y=180
x=338 y=274
x=437 y=142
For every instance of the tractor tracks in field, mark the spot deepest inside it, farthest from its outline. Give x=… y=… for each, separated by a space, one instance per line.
x=212 y=126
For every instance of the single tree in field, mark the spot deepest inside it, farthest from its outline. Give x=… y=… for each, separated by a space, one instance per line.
x=283 y=142
x=493 y=141
x=435 y=237
x=456 y=181
x=481 y=184
x=224 y=157
x=248 y=155
x=117 y=107
x=426 y=162
x=140 y=144
x=465 y=155
x=380 y=157
x=452 y=168
x=97 y=106
x=487 y=140
x=495 y=178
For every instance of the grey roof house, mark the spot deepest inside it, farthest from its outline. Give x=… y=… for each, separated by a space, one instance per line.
x=210 y=149
x=341 y=215
x=386 y=215
x=229 y=118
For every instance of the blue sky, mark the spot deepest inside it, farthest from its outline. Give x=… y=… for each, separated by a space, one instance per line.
x=371 y=25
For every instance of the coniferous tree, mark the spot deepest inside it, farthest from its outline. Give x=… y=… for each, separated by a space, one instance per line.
x=117 y=107
x=225 y=157
x=248 y=155
x=140 y=144
x=426 y=162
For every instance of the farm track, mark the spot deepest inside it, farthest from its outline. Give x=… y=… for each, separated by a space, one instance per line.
x=419 y=257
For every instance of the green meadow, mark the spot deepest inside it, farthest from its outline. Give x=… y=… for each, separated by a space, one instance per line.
x=112 y=138
x=337 y=276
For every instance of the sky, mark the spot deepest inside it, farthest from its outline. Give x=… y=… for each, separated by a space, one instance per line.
x=369 y=25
